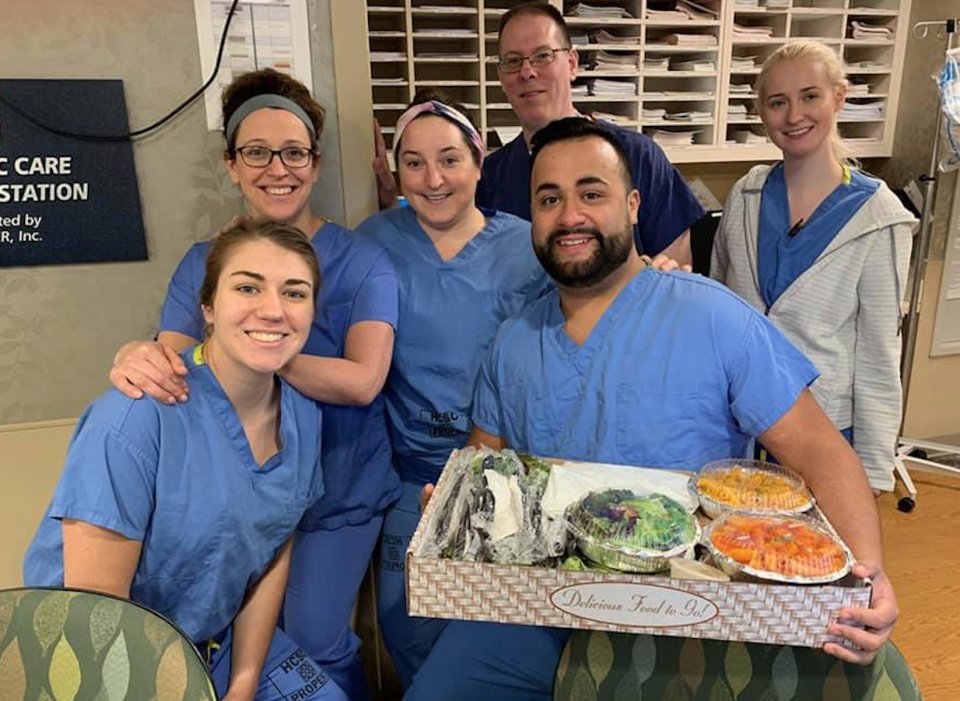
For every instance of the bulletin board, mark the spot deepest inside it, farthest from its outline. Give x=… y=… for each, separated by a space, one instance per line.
x=946 y=330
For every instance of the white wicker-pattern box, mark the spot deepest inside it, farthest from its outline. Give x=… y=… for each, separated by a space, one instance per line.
x=626 y=603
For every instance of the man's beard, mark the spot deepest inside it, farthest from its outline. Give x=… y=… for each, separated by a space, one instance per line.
x=611 y=253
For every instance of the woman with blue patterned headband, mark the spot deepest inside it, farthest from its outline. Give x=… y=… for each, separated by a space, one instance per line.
x=272 y=127
x=461 y=272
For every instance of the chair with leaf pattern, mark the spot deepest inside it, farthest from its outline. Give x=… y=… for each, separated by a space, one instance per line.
x=598 y=666
x=72 y=645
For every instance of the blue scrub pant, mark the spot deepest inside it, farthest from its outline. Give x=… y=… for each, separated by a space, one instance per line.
x=325 y=574
x=288 y=673
x=475 y=661
x=408 y=638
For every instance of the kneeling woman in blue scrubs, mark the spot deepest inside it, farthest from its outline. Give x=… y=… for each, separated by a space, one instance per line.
x=823 y=249
x=190 y=508
x=461 y=272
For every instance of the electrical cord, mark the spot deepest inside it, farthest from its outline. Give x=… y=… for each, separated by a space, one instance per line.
x=130 y=136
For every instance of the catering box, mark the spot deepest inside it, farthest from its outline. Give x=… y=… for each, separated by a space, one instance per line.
x=748 y=611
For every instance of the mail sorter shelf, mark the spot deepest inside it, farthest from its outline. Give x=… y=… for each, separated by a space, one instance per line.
x=418 y=44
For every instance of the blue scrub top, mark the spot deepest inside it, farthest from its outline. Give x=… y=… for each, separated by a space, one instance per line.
x=782 y=258
x=712 y=374
x=359 y=284
x=667 y=205
x=183 y=480
x=449 y=314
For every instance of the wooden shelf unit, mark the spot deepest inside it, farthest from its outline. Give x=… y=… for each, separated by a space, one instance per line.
x=410 y=50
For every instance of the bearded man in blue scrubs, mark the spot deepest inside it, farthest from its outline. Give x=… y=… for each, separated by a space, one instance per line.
x=624 y=364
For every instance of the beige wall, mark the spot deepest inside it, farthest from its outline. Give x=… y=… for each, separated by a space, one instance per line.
x=32 y=458
x=61 y=325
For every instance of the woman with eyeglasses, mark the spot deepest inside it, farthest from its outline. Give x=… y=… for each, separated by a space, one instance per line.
x=272 y=127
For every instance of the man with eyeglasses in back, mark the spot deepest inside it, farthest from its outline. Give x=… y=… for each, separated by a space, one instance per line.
x=537 y=67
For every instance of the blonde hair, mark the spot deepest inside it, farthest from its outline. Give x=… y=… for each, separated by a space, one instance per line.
x=813 y=51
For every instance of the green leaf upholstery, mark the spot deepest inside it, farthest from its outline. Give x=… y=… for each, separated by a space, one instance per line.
x=598 y=666
x=68 y=645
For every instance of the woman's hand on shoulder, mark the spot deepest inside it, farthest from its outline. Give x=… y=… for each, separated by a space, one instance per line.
x=665 y=264
x=150 y=367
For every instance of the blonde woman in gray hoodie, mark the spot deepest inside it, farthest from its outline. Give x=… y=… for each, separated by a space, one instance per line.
x=823 y=250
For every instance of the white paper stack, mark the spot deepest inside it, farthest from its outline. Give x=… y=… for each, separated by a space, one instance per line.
x=447 y=54
x=736 y=110
x=388 y=81
x=585 y=11
x=743 y=63
x=741 y=88
x=654 y=114
x=673 y=138
x=776 y=4
x=682 y=10
x=579 y=38
x=866 y=65
x=858 y=89
x=656 y=63
x=610 y=117
x=611 y=88
x=579 y=90
x=387 y=56
x=689 y=40
x=861 y=110
x=693 y=116
x=742 y=32
x=697 y=65
x=602 y=36
x=444 y=31
x=745 y=136
x=746 y=4
x=874 y=32
x=606 y=61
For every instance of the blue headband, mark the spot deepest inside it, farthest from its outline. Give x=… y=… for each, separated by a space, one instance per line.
x=258 y=102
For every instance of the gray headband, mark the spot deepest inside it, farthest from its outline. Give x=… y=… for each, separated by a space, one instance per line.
x=258 y=102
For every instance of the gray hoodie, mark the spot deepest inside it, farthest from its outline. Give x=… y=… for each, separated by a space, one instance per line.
x=843 y=312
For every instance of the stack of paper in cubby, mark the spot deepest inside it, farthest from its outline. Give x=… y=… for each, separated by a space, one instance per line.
x=387 y=56
x=466 y=55
x=776 y=4
x=606 y=61
x=743 y=63
x=585 y=11
x=861 y=110
x=656 y=113
x=688 y=40
x=745 y=4
x=579 y=90
x=864 y=30
x=664 y=137
x=602 y=36
x=738 y=111
x=745 y=136
x=578 y=38
x=656 y=63
x=679 y=10
x=609 y=117
x=858 y=89
x=700 y=65
x=611 y=88
x=741 y=88
x=694 y=116
x=751 y=33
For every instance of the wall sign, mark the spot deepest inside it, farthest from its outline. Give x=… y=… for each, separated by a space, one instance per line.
x=67 y=200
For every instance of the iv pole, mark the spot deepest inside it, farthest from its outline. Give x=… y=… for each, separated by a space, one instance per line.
x=929 y=181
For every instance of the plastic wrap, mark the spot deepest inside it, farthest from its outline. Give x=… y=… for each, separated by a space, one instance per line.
x=749 y=485
x=632 y=532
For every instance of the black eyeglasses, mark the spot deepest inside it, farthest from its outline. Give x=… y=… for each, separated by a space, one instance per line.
x=261 y=156
x=543 y=57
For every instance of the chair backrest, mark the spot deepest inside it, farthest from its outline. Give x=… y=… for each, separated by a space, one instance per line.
x=73 y=645
x=610 y=666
